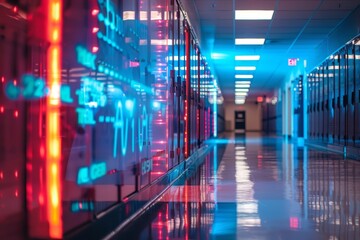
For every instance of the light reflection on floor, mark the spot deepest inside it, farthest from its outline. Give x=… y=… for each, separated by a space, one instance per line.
x=264 y=188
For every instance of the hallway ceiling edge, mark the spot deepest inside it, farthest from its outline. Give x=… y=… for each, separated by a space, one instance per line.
x=295 y=31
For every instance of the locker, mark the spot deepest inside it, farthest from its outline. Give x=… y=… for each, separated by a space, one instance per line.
x=342 y=98
x=317 y=105
x=331 y=90
x=357 y=95
x=350 y=96
x=336 y=99
x=315 y=110
x=309 y=112
x=321 y=104
x=326 y=103
x=314 y=99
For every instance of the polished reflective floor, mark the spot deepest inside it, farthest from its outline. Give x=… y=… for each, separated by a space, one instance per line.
x=253 y=187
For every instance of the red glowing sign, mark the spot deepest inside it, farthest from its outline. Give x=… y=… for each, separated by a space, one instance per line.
x=292 y=61
x=259 y=99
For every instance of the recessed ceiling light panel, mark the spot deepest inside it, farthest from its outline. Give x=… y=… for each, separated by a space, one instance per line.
x=247 y=58
x=245 y=68
x=254 y=14
x=249 y=41
x=244 y=76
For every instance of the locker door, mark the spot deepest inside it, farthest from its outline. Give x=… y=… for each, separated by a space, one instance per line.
x=331 y=90
x=342 y=98
x=357 y=95
x=318 y=104
x=309 y=110
x=326 y=102
x=172 y=89
x=315 y=111
x=336 y=100
x=181 y=86
x=350 y=96
x=322 y=104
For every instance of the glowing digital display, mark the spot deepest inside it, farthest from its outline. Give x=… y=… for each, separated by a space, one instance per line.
x=146 y=166
x=90 y=173
x=30 y=88
x=91 y=93
x=81 y=206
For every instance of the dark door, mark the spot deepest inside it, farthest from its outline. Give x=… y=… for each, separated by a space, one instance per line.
x=240 y=125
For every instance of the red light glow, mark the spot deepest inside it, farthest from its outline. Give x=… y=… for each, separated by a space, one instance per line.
x=16 y=174
x=95 y=49
x=15 y=9
x=53 y=142
x=16 y=114
x=2 y=79
x=95 y=12
x=259 y=99
x=1 y=109
x=95 y=30
x=294 y=222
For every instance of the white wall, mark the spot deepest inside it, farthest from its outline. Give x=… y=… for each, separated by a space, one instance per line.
x=253 y=115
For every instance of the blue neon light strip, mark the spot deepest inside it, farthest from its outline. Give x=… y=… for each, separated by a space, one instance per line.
x=215 y=112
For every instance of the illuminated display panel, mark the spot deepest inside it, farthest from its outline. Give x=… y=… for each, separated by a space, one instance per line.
x=87 y=116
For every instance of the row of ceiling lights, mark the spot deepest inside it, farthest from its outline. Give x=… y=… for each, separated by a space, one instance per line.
x=242 y=86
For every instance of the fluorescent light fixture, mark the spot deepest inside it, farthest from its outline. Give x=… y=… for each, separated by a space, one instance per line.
x=218 y=56
x=242 y=76
x=249 y=41
x=239 y=102
x=240 y=97
x=242 y=82
x=254 y=14
x=243 y=68
x=241 y=89
x=243 y=86
x=247 y=58
x=241 y=94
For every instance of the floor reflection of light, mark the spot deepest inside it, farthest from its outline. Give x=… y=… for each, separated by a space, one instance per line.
x=247 y=206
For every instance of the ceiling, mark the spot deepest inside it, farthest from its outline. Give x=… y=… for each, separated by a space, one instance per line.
x=297 y=27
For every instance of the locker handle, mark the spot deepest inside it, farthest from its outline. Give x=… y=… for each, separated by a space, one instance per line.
x=353 y=98
x=338 y=102
x=345 y=100
x=178 y=86
x=333 y=103
x=318 y=107
x=322 y=106
x=327 y=104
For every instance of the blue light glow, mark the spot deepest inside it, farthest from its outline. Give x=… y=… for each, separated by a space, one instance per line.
x=215 y=112
x=90 y=173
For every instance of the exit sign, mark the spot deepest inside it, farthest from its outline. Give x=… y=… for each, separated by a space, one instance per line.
x=292 y=61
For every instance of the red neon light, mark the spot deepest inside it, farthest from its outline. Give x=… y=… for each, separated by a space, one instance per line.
x=294 y=222
x=2 y=79
x=53 y=142
x=1 y=109
x=95 y=49
x=16 y=114
x=259 y=99
x=95 y=12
